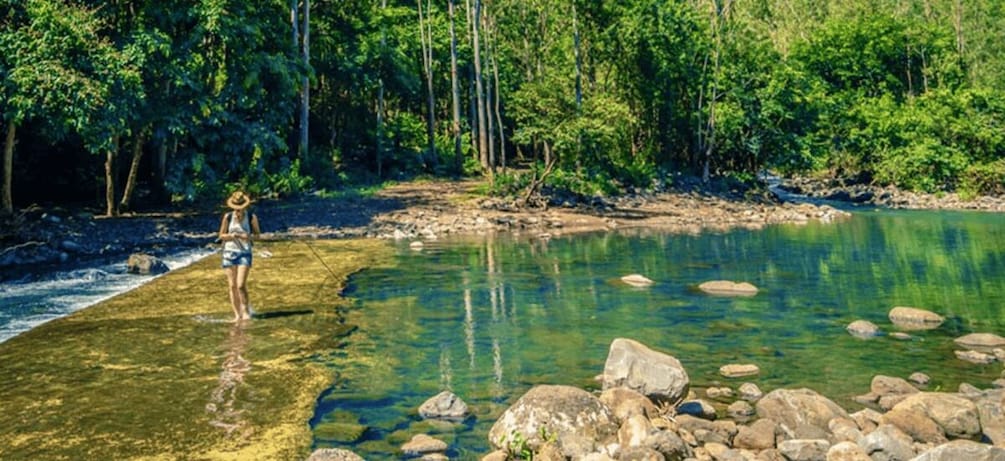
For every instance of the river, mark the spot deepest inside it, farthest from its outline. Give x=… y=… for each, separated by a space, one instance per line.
x=488 y=318
x=37 y=299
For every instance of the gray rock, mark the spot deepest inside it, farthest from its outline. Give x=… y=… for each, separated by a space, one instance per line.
x=758 y=436
x=334 y=454
x=847 y=451
x=863 y=329
x=979 y=358
x=575 y=417
x=640 y=454
x=498 y=455
x=844 y=430
x=740 y=409
x=634 y=431
x=912 y=318
x=867 y=419
x=957 y=416
x=444 y=405
x=718 y=392
x=959 y=450
x=625 y=403
x=919 y=378
x=144 y=264
x=637 y=280
x=750 y=392
x=990 y=409
x=736 y=370
x=887 y=443
x=770 y=454
x=658 y=376
x=792 y=408
x=422 y=444
x=705 y=431
x=804 y=450
x=669 y=444
x=981 y=341
x=916 y=424
x=728 y=288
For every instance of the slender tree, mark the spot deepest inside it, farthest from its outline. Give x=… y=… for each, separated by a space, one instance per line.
x=426 y=39
x=455 y=92
x=483 y=150
x=305 y=96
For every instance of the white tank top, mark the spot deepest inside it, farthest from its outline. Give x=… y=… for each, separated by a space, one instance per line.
x=241 y=225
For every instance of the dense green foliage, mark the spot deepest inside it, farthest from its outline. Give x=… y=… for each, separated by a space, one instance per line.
x=206 y=96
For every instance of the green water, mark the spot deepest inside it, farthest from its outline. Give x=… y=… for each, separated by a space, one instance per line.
x=489 y=318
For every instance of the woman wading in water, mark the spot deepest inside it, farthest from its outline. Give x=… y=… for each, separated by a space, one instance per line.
x=237 y=228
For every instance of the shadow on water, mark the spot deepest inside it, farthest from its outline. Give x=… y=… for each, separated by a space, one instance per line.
x=281 y=314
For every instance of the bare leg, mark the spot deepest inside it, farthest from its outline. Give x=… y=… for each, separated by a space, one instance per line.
x=242 y=291
x=233 y=291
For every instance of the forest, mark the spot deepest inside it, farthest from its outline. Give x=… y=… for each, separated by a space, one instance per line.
x=129 y=104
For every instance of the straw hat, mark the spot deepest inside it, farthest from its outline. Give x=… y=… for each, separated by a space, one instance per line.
x=238 y=201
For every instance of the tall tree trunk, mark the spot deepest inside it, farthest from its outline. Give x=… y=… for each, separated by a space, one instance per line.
x=489 y=120
x=380 y=102
x=295 y=26
x=8 y=167
x=134 y=168
x=579 y=84
x=426 y=39
x=305 y=98
x=958 y=26
x=110 y=206
x=480 y=89
x=455 y=90
x=718 y=16
x=499 y=120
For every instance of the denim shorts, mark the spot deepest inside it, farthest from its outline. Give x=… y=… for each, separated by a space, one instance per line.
x=236 y=258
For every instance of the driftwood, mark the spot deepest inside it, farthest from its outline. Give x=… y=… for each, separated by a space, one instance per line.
x=19 y=246
x=536 y=182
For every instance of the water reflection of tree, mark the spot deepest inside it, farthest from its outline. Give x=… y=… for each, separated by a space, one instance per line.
x=224 y=404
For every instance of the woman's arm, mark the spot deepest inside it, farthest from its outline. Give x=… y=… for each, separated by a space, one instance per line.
x=223 y=235
x=255 y=230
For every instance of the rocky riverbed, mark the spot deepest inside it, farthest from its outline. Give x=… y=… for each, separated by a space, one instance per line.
x=647 y=410
x=39 y=240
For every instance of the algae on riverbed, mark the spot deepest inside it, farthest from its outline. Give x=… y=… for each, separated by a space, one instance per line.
x=160 y=372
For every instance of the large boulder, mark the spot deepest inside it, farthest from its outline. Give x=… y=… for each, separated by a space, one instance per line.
x=991 y=408
x=794 y=408
x=887 y=443
x=444 y=405
x=575 y=418
x=912 y=318
x=959 y=450
x=957 y=416
x=656 y=375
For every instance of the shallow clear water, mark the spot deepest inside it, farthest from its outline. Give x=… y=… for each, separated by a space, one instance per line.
x=489 y=318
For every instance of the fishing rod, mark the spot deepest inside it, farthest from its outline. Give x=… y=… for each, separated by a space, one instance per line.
x=307 y=243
